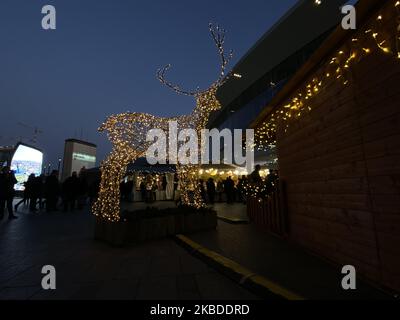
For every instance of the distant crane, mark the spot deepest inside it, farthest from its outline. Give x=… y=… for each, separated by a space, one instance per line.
x=36 y=132
x=12 y=140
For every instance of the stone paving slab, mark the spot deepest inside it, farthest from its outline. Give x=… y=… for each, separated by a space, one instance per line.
x=87 y=269
x=282 y=263
x=232 y=213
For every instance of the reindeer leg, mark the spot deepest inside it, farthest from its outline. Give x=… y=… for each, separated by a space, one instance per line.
x=188 y=174
x=107 y=206
x=197 y=197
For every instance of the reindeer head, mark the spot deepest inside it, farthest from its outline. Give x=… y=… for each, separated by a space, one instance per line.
x=206 y=100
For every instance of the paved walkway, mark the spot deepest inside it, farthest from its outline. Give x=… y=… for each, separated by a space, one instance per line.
x=285 y=264
x=87 y=269
x=234 y=213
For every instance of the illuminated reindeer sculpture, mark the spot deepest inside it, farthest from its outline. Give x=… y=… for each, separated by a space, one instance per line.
x=128 y=131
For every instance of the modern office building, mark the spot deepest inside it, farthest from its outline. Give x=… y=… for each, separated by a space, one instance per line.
x=78 y=154
x=272 y=61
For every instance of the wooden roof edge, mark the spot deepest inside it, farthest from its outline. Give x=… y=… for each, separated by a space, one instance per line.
x=365 y=10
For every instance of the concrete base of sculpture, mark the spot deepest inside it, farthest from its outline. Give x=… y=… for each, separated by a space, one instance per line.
x=142 y=228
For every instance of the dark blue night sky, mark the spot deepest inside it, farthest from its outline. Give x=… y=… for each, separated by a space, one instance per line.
x=103 y=57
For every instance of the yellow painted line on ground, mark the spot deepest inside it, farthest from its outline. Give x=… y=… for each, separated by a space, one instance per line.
x=275 y=288
x=189 y=242
x=244 y=272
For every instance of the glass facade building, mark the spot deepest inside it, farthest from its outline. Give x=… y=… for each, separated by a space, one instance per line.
x=245 y=108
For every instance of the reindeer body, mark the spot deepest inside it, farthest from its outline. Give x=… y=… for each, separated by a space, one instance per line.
x=127 y=133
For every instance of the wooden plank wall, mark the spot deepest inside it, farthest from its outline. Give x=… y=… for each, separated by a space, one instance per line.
x=341 y=164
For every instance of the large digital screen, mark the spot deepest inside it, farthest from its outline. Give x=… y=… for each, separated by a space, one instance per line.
x=26 y=160
x=84 y=158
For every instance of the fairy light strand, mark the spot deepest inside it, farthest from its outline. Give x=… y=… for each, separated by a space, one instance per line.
x=127 y=133
x=337 y=68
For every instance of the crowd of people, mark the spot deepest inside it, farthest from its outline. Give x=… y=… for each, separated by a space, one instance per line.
x=147 y=184
x=213 y=190
x=47 y=192
x=233 y=191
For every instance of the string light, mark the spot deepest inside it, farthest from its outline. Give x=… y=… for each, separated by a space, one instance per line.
x=397 y=6
x=338 y=68
x=127 y=133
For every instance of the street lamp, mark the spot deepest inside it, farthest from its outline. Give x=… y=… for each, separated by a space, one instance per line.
x=59 y=167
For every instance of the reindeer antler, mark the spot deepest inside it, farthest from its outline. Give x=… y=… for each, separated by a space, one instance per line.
x=218 y=35
x=161 y=76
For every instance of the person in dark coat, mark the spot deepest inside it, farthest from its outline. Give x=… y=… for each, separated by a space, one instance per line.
x=164 y=182
x=7 y=182
x=52 y=191
x=35 y=185
x=202 y=190
x=70 y=191
x=143 y=190
x=25 y=199
x=41 y=190
x=129 y=190
x=220 y=190
x=255 y=177
x=229 y=187
x=28 y=188
x=211 y=190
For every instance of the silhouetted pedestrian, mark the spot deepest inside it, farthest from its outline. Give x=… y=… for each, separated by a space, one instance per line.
x=164 y=182
x=255 y=177
x=70 y=192
x=229 y=187
x=41 y=190
x=7 y=192
x=35 y=185
x=143 y=190
x=211 y=190
x=28 y=188
x=52 y=191
x=128 y=196
x=25 y=199
x=220 y=190
x=202 y=190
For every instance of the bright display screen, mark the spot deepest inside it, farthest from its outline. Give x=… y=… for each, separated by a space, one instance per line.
x=83 y=157
x=26 y=161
